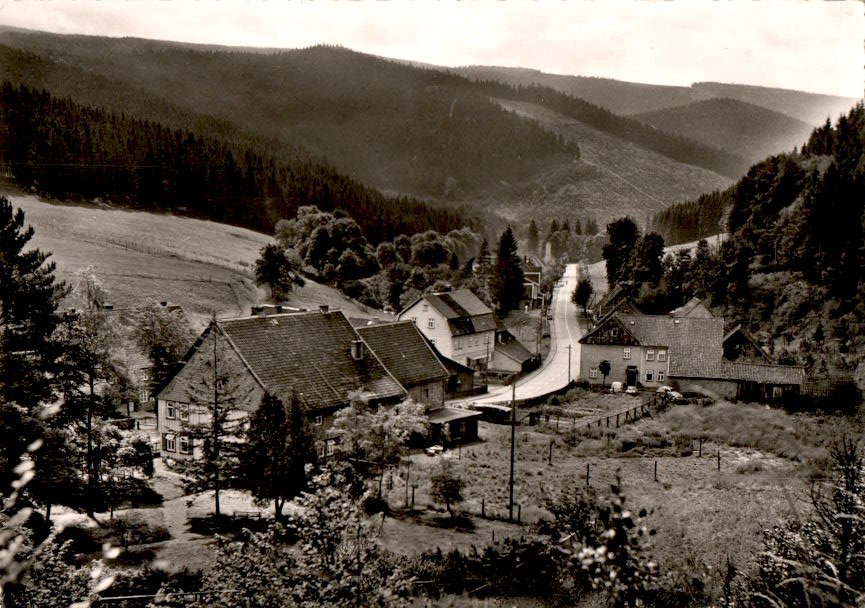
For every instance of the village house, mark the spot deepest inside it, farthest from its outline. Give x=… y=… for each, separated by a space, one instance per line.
x=687 y=351
x=457 y=323
x=533 y=296
x=316 y=355
x=406 y=355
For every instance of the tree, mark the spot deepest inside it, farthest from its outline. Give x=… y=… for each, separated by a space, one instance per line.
x=164 y=335
x=533 y=238
x=623 y=234
x=88 y=362
x=279 y=446
x=604 y=368
x=279 y=270
x=646 y=261
x=583 y=294
x=29 y=296
x=506 y=286
x=124 y=463
x=379 y=436
x=446 y=486
x=214 y=397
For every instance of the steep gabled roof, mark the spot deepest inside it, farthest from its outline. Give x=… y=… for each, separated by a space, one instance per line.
x=740 y=334
x=464 y=311
x=692 y=308
x=694 y=343
x=403 y=351
x=309 y=353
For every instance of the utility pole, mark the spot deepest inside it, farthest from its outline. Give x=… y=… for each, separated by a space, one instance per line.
x=215 y=447
x=513 y=428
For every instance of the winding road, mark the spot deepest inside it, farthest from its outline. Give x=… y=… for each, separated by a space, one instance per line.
x=565 y=331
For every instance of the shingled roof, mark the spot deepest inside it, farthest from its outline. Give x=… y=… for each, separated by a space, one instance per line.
x=464 y=311
x=403 y=351
x=692 y=308
x=694 y=344
x=309 y=353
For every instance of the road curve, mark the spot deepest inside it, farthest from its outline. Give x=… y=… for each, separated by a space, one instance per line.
x=565 y=331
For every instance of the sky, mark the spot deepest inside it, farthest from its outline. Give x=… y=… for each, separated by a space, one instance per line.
x=815 y=46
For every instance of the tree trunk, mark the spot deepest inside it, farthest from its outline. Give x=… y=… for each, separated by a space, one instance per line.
x=48 y=512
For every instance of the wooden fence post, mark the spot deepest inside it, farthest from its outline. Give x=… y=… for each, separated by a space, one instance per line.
x=483 y=507
x=519 y=514
x=550 y=457
x=656 y=470
x=719 y=459
x=587 y=473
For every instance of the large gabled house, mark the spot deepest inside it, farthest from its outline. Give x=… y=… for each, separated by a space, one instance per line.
x=687 y=351
x=316 y=355
x=458 y=324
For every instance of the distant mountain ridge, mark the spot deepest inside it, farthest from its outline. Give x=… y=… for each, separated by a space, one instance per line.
x=732 y=125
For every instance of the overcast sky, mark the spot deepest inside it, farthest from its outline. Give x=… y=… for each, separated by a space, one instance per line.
x=813 y=46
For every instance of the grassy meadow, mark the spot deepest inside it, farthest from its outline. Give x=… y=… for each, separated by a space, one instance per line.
x=203 y=266
x=701 y=515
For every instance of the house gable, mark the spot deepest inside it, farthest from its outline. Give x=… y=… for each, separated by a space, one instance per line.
x=611 y=332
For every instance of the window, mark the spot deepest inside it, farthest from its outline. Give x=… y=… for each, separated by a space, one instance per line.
x=626 y=353
x=169 y=411
x=593 y=373
x=425 y=307
x=184 y=444
x=650 y=355
x=318 y=420
x=169 y=442
x=649 y=375
x=662 y=355
x=660 y=375
x=431 y=323
x=458 y=344
x=184 y=412
x=329 y=447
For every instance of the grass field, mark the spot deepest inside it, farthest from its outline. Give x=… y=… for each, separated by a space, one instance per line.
x=203 y=266
x=702 y=515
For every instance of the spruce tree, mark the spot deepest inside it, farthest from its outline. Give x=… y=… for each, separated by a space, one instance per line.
x=507 y=283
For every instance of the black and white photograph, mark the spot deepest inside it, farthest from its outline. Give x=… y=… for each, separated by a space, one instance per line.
x=419 y=304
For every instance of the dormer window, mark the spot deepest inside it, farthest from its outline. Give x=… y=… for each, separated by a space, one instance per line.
x=662 y=355
x=650 y=355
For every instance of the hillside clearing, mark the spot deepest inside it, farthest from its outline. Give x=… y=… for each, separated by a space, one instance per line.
x=203 y=266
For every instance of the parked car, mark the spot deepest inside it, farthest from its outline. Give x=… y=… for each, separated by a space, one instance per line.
x=631 y=390
x=616 y=387
x=664 y=389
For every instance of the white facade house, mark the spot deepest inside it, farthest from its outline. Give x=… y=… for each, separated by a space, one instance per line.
x=458 y=323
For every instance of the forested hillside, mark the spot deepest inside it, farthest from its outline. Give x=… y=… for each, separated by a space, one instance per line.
x=793 y=269
x=63 y=150
x=735 y=126
x=674 y=146
x=393 y=127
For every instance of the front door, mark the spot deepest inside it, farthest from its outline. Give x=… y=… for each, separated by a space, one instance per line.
x=631 y=375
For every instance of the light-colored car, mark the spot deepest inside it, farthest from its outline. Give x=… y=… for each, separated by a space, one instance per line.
x=664 y=389
x=616 y=387
x=631 y=390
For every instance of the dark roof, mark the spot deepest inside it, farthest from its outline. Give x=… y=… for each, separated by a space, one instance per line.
x=449 y=414
x=762 y=373
x=623 y=305
x=308 y=352
x=514 y=350
x=610 y=297
x=694 y=343
x=692 y=308
x=464 y=311
x=403 y=351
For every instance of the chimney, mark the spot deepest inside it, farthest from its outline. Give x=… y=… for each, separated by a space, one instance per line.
x=357 y=350
x=323 y=308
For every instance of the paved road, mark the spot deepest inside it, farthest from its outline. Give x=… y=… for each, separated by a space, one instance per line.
x=553 y=373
